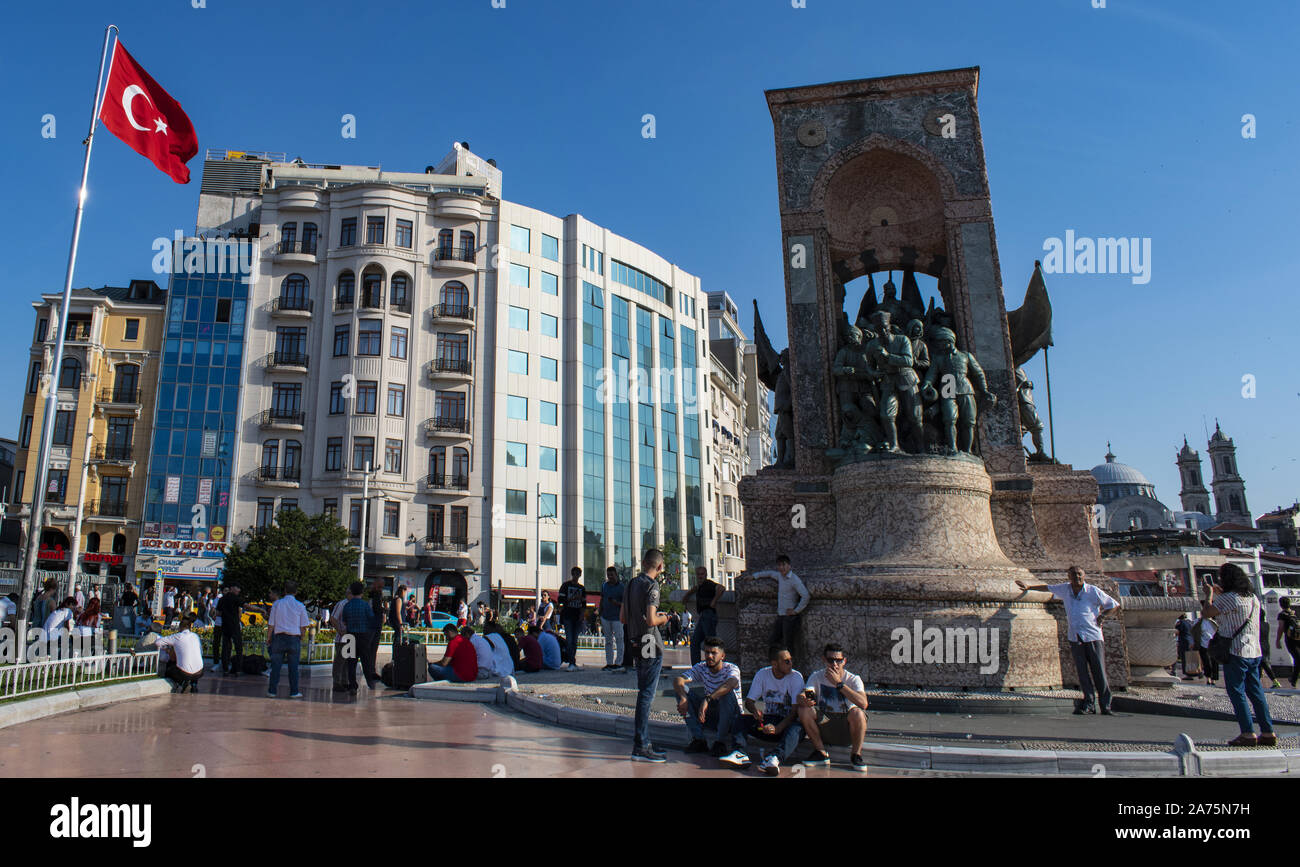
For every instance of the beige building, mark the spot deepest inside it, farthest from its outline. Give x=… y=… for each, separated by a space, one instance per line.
x=728 y=381
x=105 y=393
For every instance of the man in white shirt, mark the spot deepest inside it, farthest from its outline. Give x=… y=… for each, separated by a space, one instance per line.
x=791 y=599
x=80 y=597
x=285 y=624
x=833 y=709
x=1086 y=606
x=184 y=662
x=778 y=687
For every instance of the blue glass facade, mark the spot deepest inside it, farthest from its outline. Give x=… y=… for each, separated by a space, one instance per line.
x=668 y=429
x=196 y=417
x=692 y=453
x=593 y=435
x=625 y=549
x=639 y=280
x=646 y=456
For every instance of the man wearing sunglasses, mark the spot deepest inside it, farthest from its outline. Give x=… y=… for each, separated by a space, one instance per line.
x=833 y=709
x=778 y=687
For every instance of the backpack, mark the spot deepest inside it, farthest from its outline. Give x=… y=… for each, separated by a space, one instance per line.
x=1220 y=648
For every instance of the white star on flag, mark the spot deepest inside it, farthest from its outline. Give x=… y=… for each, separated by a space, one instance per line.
x=160 y=126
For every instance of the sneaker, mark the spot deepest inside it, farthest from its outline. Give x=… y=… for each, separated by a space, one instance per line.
x=737 y=759
x=696 y=746
x=270 y=694
x=1244 y=740
x=1277 y=684
x=818 y=757
x=1267 y=739
x=858 y=763
x=718 y=750
x=296 y=695
x=611 y=667
x=1107 y=712
x=770 y=765
x=648 y=754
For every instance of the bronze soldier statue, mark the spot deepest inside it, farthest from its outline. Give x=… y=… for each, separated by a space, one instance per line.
x=960 y=378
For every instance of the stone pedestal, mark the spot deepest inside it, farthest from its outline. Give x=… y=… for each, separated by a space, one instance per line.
x=905 y=572
x=1152 y=639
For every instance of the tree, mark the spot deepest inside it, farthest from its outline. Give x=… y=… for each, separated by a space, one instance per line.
x=674 y=569
x=312 y=550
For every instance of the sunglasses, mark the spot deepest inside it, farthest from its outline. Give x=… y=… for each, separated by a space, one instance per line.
x=835 y=660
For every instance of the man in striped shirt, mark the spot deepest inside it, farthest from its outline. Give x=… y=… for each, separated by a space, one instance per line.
x=718 y=704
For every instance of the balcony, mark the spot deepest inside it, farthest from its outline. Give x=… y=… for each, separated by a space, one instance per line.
x=400 y=305
x=111 y=454
x=457 y=206
x=460 y=259
x=78 y=332
x=296 y=251
x=450 y=368
x=120 y=398
x=113 y=509
x=446 y=482
x=371 y=301
x=282 y=418
x=343 y=304
x=456 y=427
x=441 y=545
x=452 y=314
x=290 y=307
x=280 y=475
x=288 y=360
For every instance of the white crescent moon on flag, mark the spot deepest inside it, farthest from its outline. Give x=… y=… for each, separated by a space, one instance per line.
x=129 y=94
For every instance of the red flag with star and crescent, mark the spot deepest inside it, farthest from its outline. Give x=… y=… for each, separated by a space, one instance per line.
x=146 y=118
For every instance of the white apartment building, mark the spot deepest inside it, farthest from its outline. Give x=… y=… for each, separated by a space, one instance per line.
x=470 y=351
x=758 y=415
x=727 y=375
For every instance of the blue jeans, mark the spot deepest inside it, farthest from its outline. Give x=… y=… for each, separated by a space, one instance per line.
x=282 y=644
x=706 y=626
x=723 y=715
x=444 y=672
x=785 y=742
x=1241 y=677
x=647 y=684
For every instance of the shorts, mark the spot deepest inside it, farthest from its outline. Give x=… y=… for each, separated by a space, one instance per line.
x=833 y=727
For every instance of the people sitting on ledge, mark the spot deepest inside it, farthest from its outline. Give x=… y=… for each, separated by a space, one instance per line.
x=833 y=709
x=460 y=663
x=718 y=704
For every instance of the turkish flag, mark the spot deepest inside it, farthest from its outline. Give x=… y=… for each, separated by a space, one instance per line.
x=146 y=118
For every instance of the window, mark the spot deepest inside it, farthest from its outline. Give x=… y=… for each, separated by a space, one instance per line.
x=64 y=422
x=397 y=342
x=25 y=433
x=334 y=455
x=330 y=508
x=354 y=518
x=399 y=292
x=453 y=347
x=57 y=487
x=460 y=466
x=337 y=405
x=454 y=296
x=292 y=459
x=348 y=232
x=70 y=374
x=516 y=454
x=548 y=458
x=34 y=378
x=126 y=382
x=294 y=292
x=363 y=452
x=466 y=246
x=550 y=413
x=550 y=283
x=288 y=234
x=518 y=275
x=550 y=369
x=403 y=235
x=309 y=238
x=370 y=336
x=516 y=502
x=449 y=404
x=346 y=289
x=392 y=456
x=132 y=330
x=547 y=553
x=392 y=516
x=396 y=400
x=270 y=455
x=460 y=524
x=550 y=326
x=516 y=550
x=342 y=335
x=593 y=260
x=265 y=512
x=550 y=248
x=517 y=407
x=518 y=362
x=519 y=318
x=374 y=230
x=289 y=505
x=546 y=506
x=444 y=243
x=42 y=329
x=367 y=398
x=286 y=398
x=519 y=238
x=372 y=289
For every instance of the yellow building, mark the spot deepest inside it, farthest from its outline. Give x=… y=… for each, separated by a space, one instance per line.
x=99 y=459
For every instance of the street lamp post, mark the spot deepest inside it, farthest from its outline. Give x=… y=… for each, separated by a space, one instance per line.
x=365 y=507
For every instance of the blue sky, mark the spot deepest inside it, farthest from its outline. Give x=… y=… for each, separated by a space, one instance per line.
x=1122 y=121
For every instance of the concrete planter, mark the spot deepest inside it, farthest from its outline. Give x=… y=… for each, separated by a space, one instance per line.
x=1152 y=639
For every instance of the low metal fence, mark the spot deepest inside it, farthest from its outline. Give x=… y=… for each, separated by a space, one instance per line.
x=33 y=678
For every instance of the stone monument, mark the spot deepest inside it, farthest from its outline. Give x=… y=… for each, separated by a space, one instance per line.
x=903 y=492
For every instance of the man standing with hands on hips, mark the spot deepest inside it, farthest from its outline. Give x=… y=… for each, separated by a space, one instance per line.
x=641 y=619
x=1086 y=606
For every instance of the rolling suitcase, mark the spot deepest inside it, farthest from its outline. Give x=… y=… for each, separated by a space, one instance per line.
x=410 y=665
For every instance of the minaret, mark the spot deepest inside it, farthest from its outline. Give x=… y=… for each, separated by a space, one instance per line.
x=1229 y=489
x=1194 y=496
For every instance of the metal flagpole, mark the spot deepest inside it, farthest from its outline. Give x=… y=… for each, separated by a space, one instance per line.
x=51 y=381
x=1051 y=429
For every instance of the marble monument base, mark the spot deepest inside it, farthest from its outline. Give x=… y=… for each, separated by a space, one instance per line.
x=910 y=580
